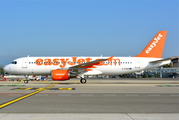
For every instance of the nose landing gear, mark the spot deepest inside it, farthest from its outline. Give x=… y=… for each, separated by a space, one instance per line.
x=26 y=81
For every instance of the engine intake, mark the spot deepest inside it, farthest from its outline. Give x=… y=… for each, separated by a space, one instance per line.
x=61 y=75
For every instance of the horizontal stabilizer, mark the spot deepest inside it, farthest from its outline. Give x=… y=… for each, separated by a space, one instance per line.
x=162 y=60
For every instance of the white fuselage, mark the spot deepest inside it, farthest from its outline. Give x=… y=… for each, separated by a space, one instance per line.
x=44 y=66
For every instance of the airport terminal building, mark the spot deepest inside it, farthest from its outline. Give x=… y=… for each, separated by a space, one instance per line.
x=165 y=71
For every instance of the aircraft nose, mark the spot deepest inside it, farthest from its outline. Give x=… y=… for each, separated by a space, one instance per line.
x=6 y=68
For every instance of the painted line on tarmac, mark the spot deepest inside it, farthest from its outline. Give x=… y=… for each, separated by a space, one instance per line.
x=47 y=88
x=10 y=85
x=174 y=95
x=157 y=82
x=109 y=94
x=22 y=97
x=64 y=94
x=154 y=95
x=41 y=95
x=67 y=83
x=86 y=94
x=168 y=85
x=131 y=94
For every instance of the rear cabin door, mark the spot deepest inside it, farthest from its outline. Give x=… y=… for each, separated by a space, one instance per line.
x=137 y=63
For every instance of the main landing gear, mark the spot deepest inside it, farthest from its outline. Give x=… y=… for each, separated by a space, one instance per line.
x=27 y=80
x=83 y=80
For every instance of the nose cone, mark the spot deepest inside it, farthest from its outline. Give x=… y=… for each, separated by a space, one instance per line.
x=6 y=68
x=11 y=69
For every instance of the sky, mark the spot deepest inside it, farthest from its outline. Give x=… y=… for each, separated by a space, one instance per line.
x=85 y=27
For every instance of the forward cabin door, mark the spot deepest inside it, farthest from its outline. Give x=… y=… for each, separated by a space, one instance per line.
x=137 y=63
x=24 y=63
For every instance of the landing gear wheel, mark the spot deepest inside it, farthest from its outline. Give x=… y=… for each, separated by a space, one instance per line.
x=26 y=81
x=83 y=80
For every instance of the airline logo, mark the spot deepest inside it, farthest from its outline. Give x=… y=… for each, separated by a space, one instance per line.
x=74 y=61
x=154 y=43
x=60 y=74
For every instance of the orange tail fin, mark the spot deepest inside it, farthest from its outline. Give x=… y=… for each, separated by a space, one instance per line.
x=155 y=47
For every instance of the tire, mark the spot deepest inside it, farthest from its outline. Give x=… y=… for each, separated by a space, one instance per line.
x=83 y=80
x=26 y=81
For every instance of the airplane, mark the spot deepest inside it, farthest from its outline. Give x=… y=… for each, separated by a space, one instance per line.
x=64 y=68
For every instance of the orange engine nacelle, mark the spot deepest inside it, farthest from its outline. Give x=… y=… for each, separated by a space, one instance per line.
x=61 y=75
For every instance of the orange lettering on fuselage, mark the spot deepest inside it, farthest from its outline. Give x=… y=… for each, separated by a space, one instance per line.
x=88 y=59
x=56 y=61
x=64 y=62
x=39 y=61
x=47 y=62
x=75 y=61
x=80 y=61
x=115 y=61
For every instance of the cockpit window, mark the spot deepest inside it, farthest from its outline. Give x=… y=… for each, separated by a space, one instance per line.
x=14 y=62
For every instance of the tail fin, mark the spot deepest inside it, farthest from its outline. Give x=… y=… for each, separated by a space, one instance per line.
x=155 y=47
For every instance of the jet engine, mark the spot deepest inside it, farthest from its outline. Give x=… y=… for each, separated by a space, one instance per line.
x=61 y=75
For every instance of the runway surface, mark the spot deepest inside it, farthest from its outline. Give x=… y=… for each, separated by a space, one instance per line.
x=130 y=98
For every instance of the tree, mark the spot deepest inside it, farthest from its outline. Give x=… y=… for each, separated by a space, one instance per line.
x=144 y=76
x=166 y=65
x=170 y=65
x=125 y=76
x=149 y=76
x=1 y=71
x=157 y=75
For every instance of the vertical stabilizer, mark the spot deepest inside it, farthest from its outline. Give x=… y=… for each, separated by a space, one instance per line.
x=155 y=48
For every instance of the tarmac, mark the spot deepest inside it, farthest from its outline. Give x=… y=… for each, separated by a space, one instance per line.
x=126 y=99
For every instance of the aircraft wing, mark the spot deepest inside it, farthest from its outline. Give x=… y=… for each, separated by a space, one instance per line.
x=162 y=60
x=89 y=64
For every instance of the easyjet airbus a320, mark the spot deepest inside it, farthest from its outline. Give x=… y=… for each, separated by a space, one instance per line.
x=64 y=68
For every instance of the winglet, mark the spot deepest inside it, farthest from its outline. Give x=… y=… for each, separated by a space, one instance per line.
x=155 y=47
